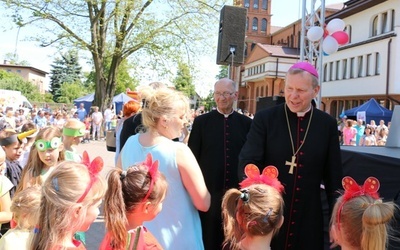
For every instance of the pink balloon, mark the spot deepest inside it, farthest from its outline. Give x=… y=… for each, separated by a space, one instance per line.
x=341 y=37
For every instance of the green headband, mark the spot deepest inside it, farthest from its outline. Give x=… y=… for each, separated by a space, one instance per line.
x=74 y=132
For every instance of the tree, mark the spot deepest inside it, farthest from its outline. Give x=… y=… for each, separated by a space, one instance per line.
x=209 y=101
x=12 y=81
x=152 y=30
x=64 y=70
x=184 y=80
x=70 y=91
x=223 y=72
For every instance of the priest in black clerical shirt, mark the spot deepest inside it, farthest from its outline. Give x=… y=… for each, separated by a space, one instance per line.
x=216 y=139
x=302 y=142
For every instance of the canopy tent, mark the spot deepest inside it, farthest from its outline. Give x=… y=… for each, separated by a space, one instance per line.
x=119 y=101
x=373 y=111
x=87 y=101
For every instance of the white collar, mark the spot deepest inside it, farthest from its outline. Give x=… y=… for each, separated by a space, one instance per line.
x=226 y=115
x=302 y=114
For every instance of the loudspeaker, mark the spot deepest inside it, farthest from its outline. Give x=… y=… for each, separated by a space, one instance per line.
x=232 y=28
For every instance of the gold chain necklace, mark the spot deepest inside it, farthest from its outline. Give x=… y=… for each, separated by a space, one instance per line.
x=293 y=163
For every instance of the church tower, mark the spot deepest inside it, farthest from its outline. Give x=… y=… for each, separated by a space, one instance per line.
x=258 y=22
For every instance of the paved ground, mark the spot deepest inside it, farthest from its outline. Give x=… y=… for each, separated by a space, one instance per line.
x=97 y=230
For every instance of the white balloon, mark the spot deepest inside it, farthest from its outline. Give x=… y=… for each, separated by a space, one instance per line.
x=330 y=45
x=335 y=25
x=315 y=33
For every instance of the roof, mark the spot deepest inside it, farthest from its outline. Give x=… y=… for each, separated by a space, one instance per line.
x=23 y=67
x=279 y=51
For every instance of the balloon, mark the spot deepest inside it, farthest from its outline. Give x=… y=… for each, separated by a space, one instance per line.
x=326 y=33
x=335 y=25
x=330 y=45
x=341 y=37
x=315 y=33
x=324 y=53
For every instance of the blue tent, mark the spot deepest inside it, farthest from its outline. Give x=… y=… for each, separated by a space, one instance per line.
x=119 y=101
x=87 y=101
x=373 y=111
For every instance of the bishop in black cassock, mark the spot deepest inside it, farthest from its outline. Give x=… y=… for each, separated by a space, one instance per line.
x=216 y=140
x=318 y=160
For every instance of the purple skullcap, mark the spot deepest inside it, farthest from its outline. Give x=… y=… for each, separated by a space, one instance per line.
x=306 y=67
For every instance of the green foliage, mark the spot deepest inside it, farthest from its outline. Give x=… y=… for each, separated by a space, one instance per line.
x=223 y=72
x=209 y=101
x=70 y=91
x=184 y=80
x=64 y=70
x=152 y=33
x=12 y=81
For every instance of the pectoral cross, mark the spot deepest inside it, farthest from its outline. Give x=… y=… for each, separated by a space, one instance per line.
x=292 y=164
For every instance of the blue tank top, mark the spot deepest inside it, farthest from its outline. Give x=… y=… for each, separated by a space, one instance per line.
x=178 y=225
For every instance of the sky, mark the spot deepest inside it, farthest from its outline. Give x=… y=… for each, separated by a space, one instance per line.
x=13 y=42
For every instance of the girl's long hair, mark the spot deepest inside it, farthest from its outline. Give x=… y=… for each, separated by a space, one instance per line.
x=34 y=166
x=125 y=191
x=58 y=210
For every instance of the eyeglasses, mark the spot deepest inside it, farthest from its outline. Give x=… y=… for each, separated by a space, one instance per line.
x=224 y=94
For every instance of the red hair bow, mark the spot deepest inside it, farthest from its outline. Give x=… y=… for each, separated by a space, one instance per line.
x=269 y=177
x=352 y=189
x=152 y=168
x=94 y=169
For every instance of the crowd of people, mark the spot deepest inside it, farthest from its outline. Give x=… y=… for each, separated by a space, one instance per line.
x=187 y=181
x=358 y=133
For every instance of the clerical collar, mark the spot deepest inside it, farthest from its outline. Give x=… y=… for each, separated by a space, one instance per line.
x=302 y=114
x=226 y=115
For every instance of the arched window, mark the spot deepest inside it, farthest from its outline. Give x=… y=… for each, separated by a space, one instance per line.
x=255 y=24
x=264 y=4
x=375 y=26
x=347 y=29
x=255 y=4
x=262 y=92
x=246 y=3
x=264 y=25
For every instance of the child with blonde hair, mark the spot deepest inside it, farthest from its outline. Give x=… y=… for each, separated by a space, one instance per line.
x=253 y=214
x=360 y=220
x=73 y=132
x=46 y=152
x=71 y=197
x=134 y=196
x=25 y=206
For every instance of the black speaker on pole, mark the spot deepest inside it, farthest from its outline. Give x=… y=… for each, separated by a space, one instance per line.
x=232 y=28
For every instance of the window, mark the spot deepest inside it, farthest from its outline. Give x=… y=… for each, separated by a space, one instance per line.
x=369 y=58
x=255 y=24
x=331 y=71
x=18 y=71
x=255 y=5
x=325 y=71
x=347 y=29
x=344 y=69
x=337 y=77
x=384 y=22
x=377 y=63
x=262 y=91
x=360 y=66
x=375 y=26
x=264 y=25
x=247 y=3
x=352 y=65
x=264 y=5
x=247 y=24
